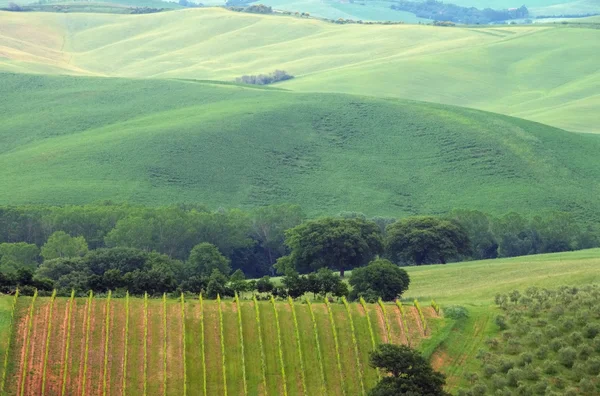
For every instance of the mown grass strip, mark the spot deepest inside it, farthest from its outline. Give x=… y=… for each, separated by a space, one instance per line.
x=263 y=358
x=164 y=329
x=280 y=347
x=355 y=343
x=222 y=339
x=202 y=342
x=318 y=345
x=145 y=344
x=363 y=303
x=47 y=346
x=67 y=344
x=423 y=322
x=240 y=324
x=125 y=349
x=27 y=342
x=10 y=335
x=336 y=343
x=106 y=339
x=386 y=320
x=88 y=322
x=299 y=346
x=404 y=321
x=183 y=341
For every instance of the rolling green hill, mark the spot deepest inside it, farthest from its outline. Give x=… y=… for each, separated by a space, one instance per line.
x=520 y=71
x=81 y=139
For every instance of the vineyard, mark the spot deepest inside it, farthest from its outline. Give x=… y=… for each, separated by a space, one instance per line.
x=146 y=346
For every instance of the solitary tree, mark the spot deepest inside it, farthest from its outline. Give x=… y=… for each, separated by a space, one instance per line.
x=380 y=278
x=205 y=258
x=408 y=373
x=425 y=240
x=335 y=243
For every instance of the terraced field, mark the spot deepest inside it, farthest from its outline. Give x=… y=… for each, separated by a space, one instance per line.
x=522 y=71
x=98 y=346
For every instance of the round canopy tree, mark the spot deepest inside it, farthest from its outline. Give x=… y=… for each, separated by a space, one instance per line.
x=425 y=240
x=205 y=258
x=339 y=244
x=380 y=278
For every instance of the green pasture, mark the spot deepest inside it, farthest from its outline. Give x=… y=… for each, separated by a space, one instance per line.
x=524 y=71
x=164 y=142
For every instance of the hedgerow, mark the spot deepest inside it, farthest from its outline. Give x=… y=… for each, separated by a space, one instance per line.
x=263 y=359
x=10 y=334
x=65 y=365
x=299 y=345
x=355 y=343
x=241 y=330
x=336 y=344
x=318 y=346
x=27 y=342
x=88 y=322
x=47 y=345
x=279 y=346
x=106 y=340
x=222 y=339
x=387 y=321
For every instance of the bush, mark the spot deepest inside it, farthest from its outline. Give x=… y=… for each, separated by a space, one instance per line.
x=567 y=356
x=456 y=312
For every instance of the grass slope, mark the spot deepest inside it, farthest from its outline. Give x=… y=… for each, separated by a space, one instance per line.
x=521 y=71
x=160 y=142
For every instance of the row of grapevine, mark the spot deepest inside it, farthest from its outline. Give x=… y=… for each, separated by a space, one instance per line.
x=355 y=343
x=145 y=344
x=421 y=316
x=222 y=337
x=404 y=321
x=435 y=307
x=185 y=380
x=67 y=343
x=106 y=339
x=47 y=345
x=280 y=346
x=125 y=353
x=88 y=316
x=27 y=342
x=318 y=345
x=385 y=318
x=241 y=330
x=263 y=359
x=164 y=306
x=202 y=345
x=10 y=335
x=299 y=345
x=363 y=303
x=336 y=344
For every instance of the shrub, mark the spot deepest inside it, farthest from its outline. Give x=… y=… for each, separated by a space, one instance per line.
x=500 y=321
x=567 y=356
x=550 y=367
x=591 y=330
x=513 y=376
x=456 y=312
x=593 y=365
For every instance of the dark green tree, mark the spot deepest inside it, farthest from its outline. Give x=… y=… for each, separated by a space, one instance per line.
x=216 y=284
x=425 y=240
x=380 y=278
x=406 y=372
x=264 y=285
x=205 y=258
x=335 y=243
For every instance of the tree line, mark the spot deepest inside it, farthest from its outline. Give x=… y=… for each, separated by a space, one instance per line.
x=191 y=248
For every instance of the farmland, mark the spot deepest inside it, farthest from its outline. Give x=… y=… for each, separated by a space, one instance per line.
x=95 y=362
x=162 y=142
x=521 y=71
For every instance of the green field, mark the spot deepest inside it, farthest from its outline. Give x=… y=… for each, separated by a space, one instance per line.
x=452 y=345
x=161 y=142
x=522 y=71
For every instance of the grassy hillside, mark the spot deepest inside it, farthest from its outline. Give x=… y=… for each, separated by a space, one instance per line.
x=161 y=142
x=520 y=71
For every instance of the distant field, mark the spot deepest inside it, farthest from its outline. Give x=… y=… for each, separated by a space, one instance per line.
x=174 y=360
x=520 y=71
x=77 y=140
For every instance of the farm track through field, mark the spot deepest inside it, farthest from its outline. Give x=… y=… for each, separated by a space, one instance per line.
x=292 y=349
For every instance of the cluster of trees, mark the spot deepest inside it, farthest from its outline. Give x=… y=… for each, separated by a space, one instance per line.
x=437 y=10
x=549 y=344
x=252 y=9
x=265 y=79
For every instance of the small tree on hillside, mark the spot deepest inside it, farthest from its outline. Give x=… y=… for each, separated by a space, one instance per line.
x=380 y=278
x=205 y=258
x=407 y=373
